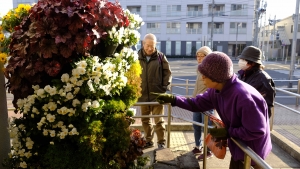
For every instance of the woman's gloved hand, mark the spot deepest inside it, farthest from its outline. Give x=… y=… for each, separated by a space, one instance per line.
x=162 y=98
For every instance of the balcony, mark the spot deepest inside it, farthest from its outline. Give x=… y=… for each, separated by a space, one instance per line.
x=173 y=30
x=153 y=30
x=240 y=30
x=242 y=12
x=216 y=31
x=194 y=13
x=193 y=31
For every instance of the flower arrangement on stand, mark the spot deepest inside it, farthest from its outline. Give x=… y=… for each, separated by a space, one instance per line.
x=74 y=97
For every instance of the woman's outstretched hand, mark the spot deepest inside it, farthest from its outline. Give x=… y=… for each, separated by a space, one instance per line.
x=162 y=98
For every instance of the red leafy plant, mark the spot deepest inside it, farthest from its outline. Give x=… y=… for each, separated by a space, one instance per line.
x=55 y=34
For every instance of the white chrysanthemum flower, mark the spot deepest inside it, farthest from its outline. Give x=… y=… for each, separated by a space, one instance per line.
x=47 y=88
x=61 y=135
x=70 y=126
x=76 y=90
x=52 y=133
x=40 y=93
x=32 y=115
x=75 y=102
x=91 y=87
x=69 y=96
x=23 y=164
x=60 y=124
x=79 y=83
x=96 y=59
x=52 y=106
x=84 y=107
x=20 y=102
x=82 y=64
x=75 y=73
x=81 y=70
x=95 y=104
x=28 y=154
x=68 y=87
x=50 y=118
x=73 y=80
x=65 y=78
x=35 y=87
x=45 y=107
x=62 y=111
x=51 y=142
x=29 y=143
x=53 y=91
x=71 y=112
x=73 y=132
x=62 y=93
x=45 y=132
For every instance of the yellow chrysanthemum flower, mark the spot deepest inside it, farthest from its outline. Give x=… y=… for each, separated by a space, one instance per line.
x=2 y=37
x=27 y=7
x=21 y=7
x=3 y=57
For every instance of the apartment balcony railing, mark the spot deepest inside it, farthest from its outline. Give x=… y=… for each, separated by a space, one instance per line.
x=217 y=13
x=216 y=31
x=240 y=30
x=193 y=31
x=153 y=30
x=173 y=30
x=173 y=13
x=194 y=13
x=153 y=14
x=242 y=12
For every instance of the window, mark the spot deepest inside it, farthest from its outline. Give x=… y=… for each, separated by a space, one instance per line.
x=194 y=10
x=177 y=48
x=235 y=7
x=158 y=46
x=153 y=10
x=188 y=48
x=173 y=10
x=168 y=48
x=173 y=27
x=153 y=27
x=194 y=28
x=134 y=9
x=198 y=45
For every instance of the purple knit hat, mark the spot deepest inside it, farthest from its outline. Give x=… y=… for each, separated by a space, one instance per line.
x=217 y=66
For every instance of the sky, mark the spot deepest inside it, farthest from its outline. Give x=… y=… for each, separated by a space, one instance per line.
x=280 y=8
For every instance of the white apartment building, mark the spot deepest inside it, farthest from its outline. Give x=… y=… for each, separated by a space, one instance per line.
x=183 y=26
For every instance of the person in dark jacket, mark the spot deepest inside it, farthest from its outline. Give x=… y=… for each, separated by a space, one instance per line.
x=156 y=77
x=252 y=73
x=240 y=106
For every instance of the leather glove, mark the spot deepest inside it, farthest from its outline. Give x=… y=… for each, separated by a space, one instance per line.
x=218 y=132
x=162 y=98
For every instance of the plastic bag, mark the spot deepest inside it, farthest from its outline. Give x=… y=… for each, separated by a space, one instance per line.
x=217 y=146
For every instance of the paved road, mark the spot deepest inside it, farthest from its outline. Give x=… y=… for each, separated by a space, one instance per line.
x=186 y=69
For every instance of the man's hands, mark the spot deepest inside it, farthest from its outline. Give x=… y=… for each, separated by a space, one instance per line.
x=162 y=98
x=218 y=132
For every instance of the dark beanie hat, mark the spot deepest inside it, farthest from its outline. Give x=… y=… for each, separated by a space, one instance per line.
x=251 y=53
x=217 y=66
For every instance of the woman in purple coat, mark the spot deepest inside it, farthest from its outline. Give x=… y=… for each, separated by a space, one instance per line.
x=241 y=107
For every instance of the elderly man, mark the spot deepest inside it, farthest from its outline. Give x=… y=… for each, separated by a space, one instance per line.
x=156 y=77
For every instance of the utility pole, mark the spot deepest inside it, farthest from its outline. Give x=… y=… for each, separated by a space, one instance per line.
x=295 y=32
x=273 y=39
x=257 y=13
x=212 y=25
x=237 y=32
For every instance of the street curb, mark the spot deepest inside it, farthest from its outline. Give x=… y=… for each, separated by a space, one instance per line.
x=286 y=145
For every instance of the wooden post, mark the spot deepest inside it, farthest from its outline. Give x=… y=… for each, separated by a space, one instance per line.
x=4 y=138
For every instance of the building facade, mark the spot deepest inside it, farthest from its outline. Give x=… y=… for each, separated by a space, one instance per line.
x=183 y=26
x=276 y=38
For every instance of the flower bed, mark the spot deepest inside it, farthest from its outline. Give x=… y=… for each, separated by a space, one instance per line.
x=75 y=99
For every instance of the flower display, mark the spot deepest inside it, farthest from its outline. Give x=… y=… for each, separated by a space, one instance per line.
x=9 y=22
x=74 y=100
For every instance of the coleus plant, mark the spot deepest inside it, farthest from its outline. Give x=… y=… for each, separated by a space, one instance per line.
x=56 y=33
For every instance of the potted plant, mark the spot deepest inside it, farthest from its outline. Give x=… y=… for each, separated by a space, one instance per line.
x=74 y=98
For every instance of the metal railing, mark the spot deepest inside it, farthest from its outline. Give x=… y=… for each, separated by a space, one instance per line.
x=249 y=153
